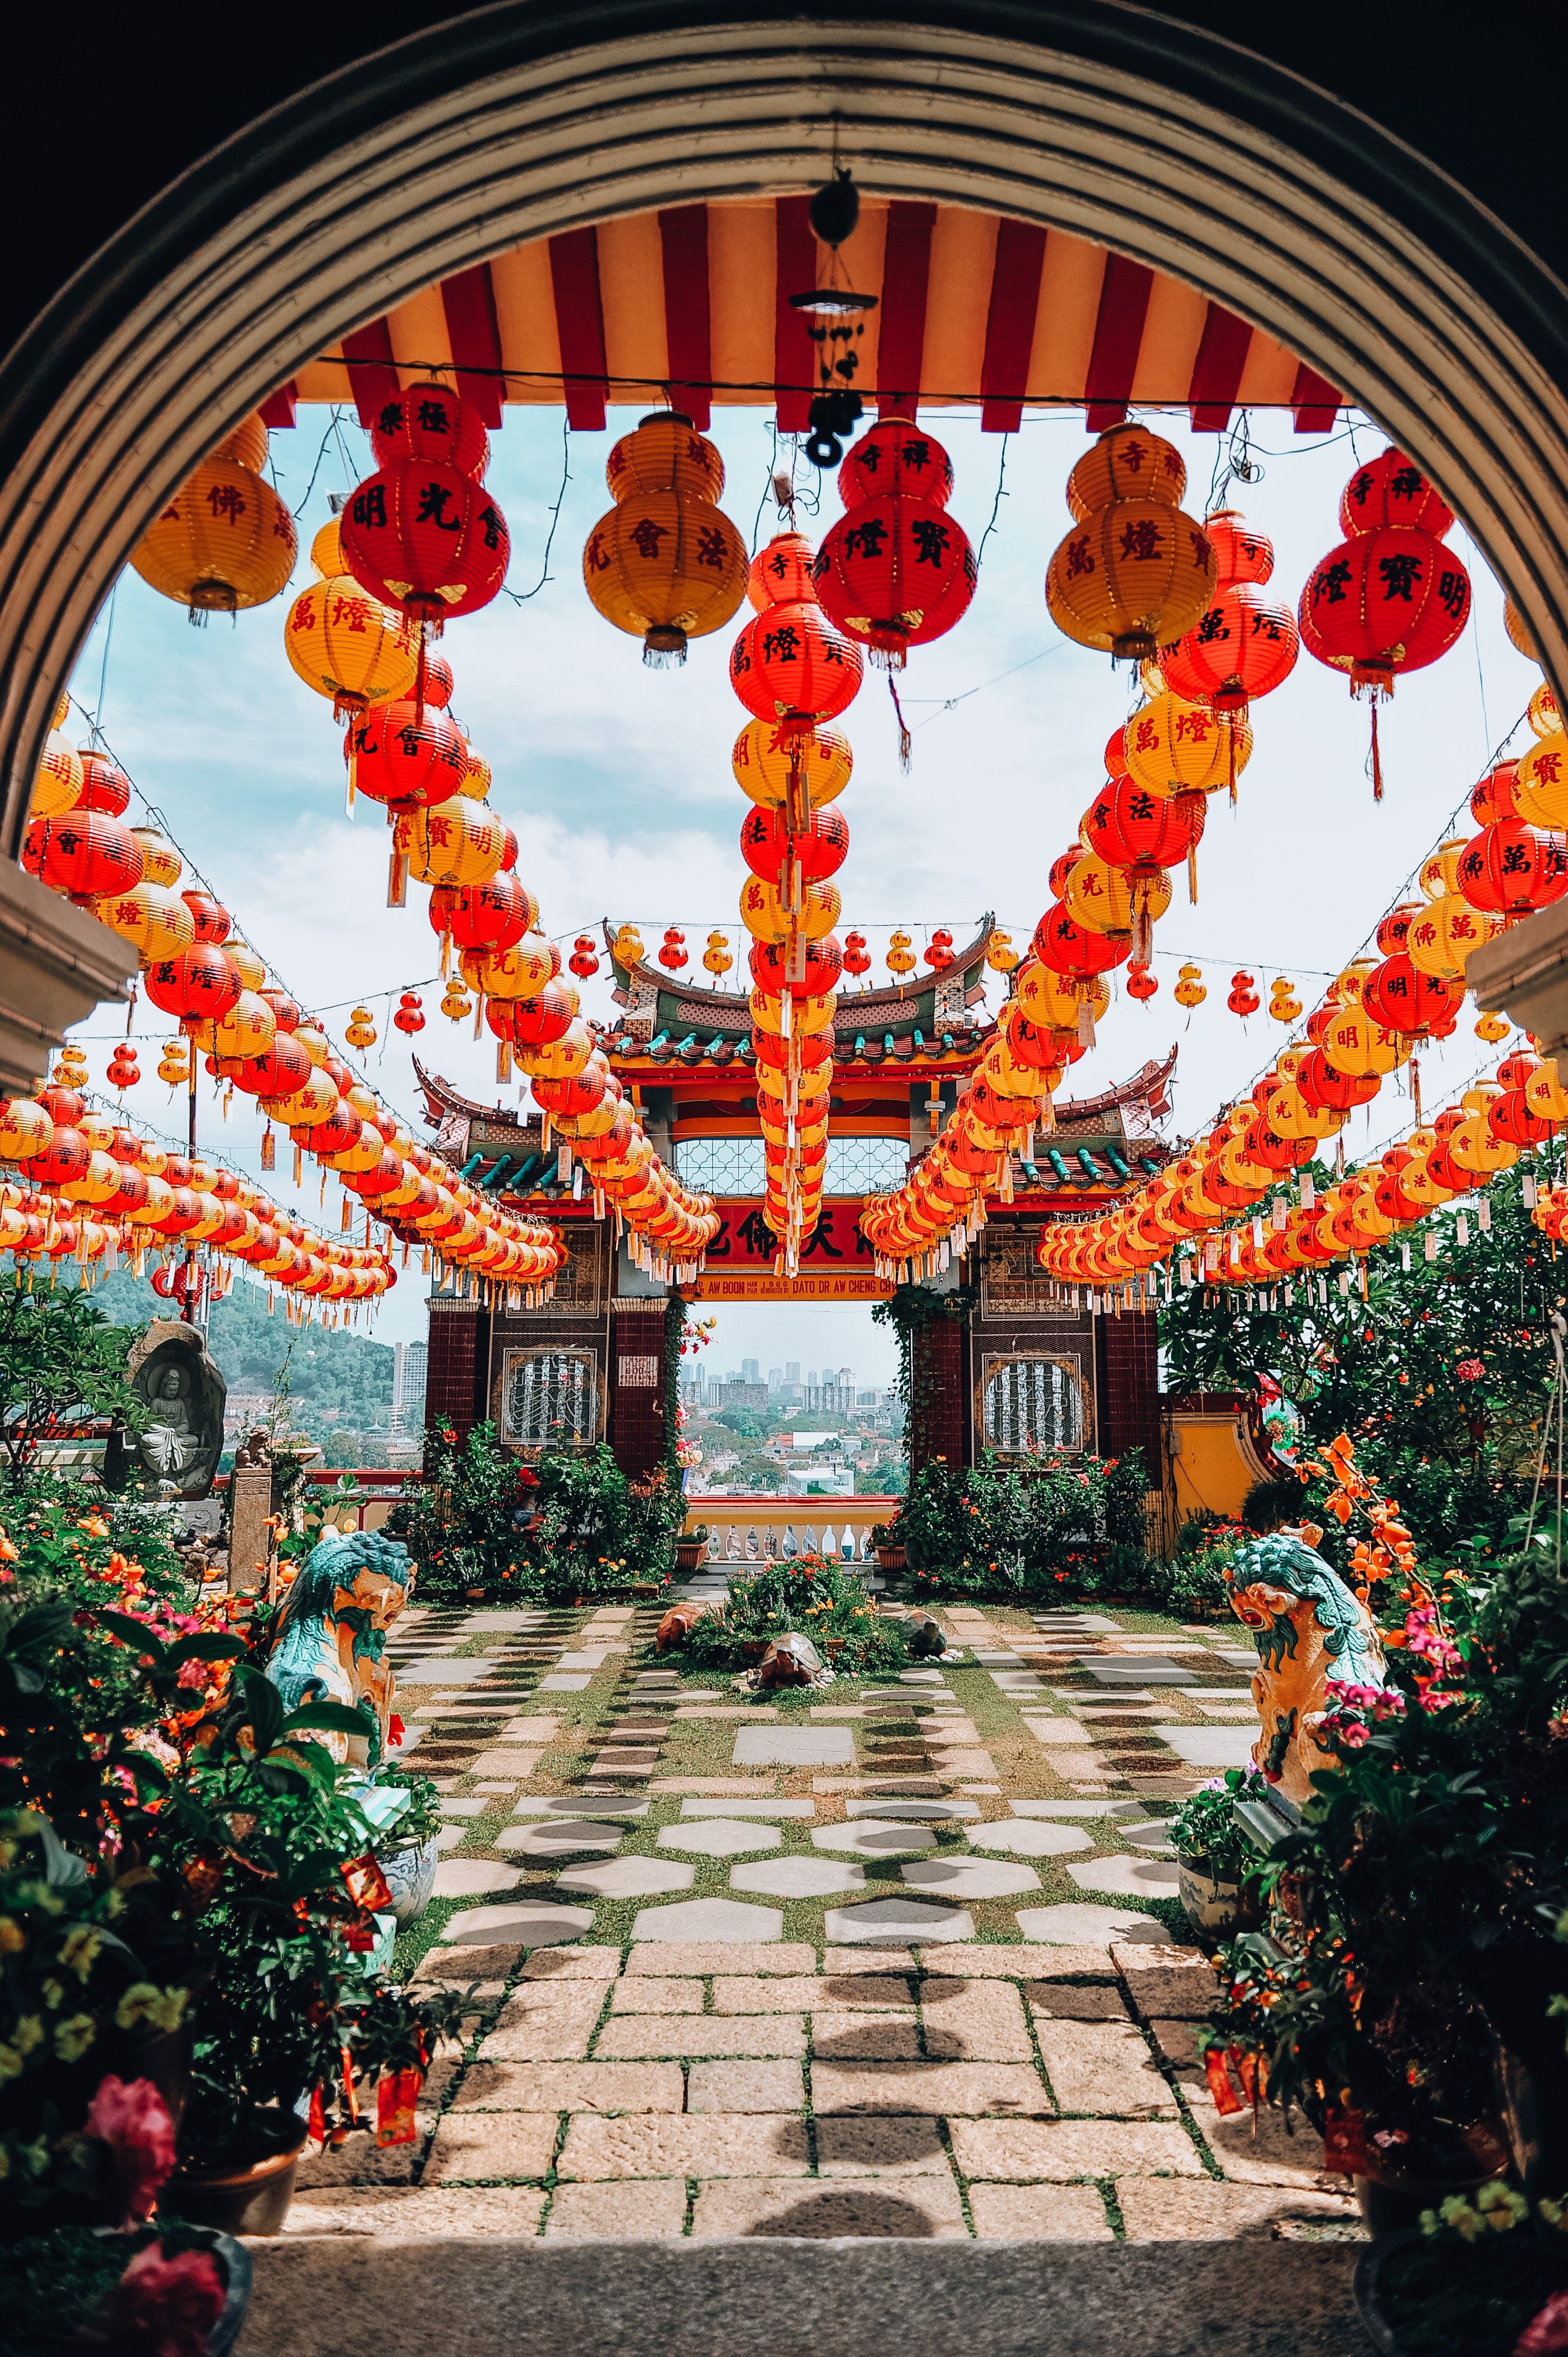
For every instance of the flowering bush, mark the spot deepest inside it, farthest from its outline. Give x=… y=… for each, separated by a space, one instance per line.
x=814 y=1597
x=1056 y=1526
x=1194 y=1581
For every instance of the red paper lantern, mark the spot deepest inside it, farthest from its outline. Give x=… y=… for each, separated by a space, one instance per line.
x=276 y=1071
x=938 y=955
x=895 y=570
x=1400 y=997
x=674 y=952
x=1130 y=827
x=212 y=921
x=410 y=1016
x=1392 y=599
x=791 y=665
x=105 y=786
x=1392 y=489
x=87 y=853
x=1510 y=867
x=426 y=539
x=856 y=958
x=1512 y=1118
x=1392 y=929
x=1246 y=645
x=65 y=1157
x=430 y=420
x=578 y=1094
x=1141 y=983
x=780 y=574
x=1495 y=795
x=823 y=962
x=1070 y=948
x=1240 y=553
x=1327 y=1091
x=1061 y=867
x=584 y=960
x=199 y=984
x=539 y=1022
x=406 y=758
x=1243 y=999
x=766 y=842
x=494 y=915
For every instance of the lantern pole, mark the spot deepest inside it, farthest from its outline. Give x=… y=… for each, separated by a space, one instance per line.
x=188 y=1310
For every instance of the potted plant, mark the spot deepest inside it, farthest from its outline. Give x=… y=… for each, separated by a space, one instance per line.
x=888 y=1543
x=691 y=1548
x=1213 y=1854
x=1486 y=2273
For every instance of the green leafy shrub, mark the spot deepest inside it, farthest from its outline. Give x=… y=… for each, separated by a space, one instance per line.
x=1047 y=1527
x=1205 y=1824
x=1192 y=1586
x=811 y=1597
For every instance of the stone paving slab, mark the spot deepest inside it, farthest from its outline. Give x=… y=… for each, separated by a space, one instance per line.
x=890 y=1919
x=749 y=2086
x=719 y=1836
x=793 y=1747
x=974 y=2021
x=700 y=2035
x=658 y=1996
x=491 y=2144
x=684 y=1957
x=826 y=1993
x=653 y=2211
x=865 y=2037
x=949 y=2089
x=758 y=2145
x=1038 y=2213
x=1055 y=2151
x=433 y=2213
x=921 y=2206
x=571 y=2087
x=1208 y=2212
x=1103 y=2068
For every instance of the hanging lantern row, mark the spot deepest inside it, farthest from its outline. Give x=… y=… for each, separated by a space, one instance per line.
x=1176 y=1218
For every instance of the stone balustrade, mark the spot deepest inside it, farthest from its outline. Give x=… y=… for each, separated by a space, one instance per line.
x=753 y=1529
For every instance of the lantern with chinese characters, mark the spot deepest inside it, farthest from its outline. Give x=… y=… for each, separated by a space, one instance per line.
x=769 y=759
x=1072 y=948
x=224 y=541
x=173 y=1065
x=85 y=853
x=666 y=565
x=585 y=959
x=491 y=915
x=1000 y=954
x=457 y=842
x=716 y=957
x=1141 y=983
x=456 y=1004
x=105 y=786
x=124 y=1073
x=895 y=570
x=789 y=663
x=410 y=1015
x=59 y=777
x=362 y=1028
x=767 y=843
x=1135 y=572
x=1393 y=596
x=1541 y=782
x=423 y=536
x=856 y=958
x=1172 y=747
x=939 y=954
x=1285 y=1007
x=1402 y=997
x=429 y=421
x=1243 y=998
x=1190 y=990
x=1246 y=644
x=1510 y=868
x=900 y=954
x=152 y=916
x=672 y=951
x=346 y=645
x=407 y=756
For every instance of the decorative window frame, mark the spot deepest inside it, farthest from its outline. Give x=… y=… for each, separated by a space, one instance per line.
x=515 y=1358
x=996 y=1362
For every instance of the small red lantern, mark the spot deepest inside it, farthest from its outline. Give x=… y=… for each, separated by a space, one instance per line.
x=276 y=1071
x=1496 y=796
x=410 y=1015
x=199 y=984
x=1141 y=983
x=1246 y=645
x=123 y=1071
x=104 y=787
x=212 y=921
x=1061 y=867
x=1070 y=948
x=1243 y=999
x=584 y=960
x=939 y=956
x=1392 y=929
x=674 y=952
x=856 y=960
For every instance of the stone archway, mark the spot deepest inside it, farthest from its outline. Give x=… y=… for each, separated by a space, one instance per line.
x=1166 y=144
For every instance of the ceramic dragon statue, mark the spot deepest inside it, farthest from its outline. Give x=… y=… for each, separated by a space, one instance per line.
x=332 y=1641
x=1307 y=1628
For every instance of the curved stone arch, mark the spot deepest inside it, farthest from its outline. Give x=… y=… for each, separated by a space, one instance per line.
x=1168 y=144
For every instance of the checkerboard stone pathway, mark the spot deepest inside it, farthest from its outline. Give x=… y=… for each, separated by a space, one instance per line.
x=717 y=2087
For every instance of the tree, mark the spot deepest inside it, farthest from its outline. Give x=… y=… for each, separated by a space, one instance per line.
x=60 y=1362
x=1441 y=1374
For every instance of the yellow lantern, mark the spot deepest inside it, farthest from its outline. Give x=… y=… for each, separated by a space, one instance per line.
x=1283 y=1004
x=1544 y=1093
x=1000 y=954
x=807 y=1016
x=344 y=643
x=1540 y=786
x=327 y=551
x=362 y=1030
x=563 y=1059
x=1473 y=1146
x=152 y=916
x=26 y=1129
x=1190 y=990
x=313 y=1039
x=1172 y=747
x=1440 y=940
x=665 y=564
x=1518 y=631
x=1358 y=1047
x=716 y=957
x=520 y=971
x=1291 y=1116
x=765 y=759
x=627 y=948
x=58 y=784
x=765 y=917
x=1113 y=900
x=1135 y=573
x=1542 y=712
x=246 y=445
x=456 y=1004
x=1440 y=873
x=172 y=1065
x=251 y=969
x=161 y=863
x=900 y=959
x=223 y=541
x=1492 y=1029
x=455 y=842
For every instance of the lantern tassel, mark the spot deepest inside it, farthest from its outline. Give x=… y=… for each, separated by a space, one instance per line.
x=1377 y=761
x=419 y=678
x=1231 y=734
x=1416 y=1089
x=905 y=743
x=1192 y=875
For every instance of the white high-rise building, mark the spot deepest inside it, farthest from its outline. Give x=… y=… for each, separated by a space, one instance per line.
x=409 y=1362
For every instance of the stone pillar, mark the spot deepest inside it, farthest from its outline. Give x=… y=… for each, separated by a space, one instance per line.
x=457 y=1372
x=252 y=1542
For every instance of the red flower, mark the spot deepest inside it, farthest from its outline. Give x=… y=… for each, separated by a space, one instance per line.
x=130 y=2118
x=1469 y=1371
x=166 y=2307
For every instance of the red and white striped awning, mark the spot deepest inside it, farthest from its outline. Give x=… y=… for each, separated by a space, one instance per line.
x=974 y=310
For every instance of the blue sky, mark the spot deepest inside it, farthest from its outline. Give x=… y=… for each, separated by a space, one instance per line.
x=617 y=781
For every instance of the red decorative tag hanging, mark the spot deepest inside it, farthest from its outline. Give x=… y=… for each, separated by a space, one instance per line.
x=397 y=2093
x=367 y=1886
x=316 y=2127
x=1344 y=2143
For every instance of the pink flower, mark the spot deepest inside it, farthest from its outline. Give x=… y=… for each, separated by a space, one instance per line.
x=1469 y=1371
x=131 y=2118
x=166 y=2307
x=192 y=1673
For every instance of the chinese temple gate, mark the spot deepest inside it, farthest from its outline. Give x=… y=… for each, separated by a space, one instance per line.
x=1011 y=1367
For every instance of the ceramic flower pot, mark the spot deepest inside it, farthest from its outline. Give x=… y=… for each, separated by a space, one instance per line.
x=890 y=1558
x=241 y=2198
x=411 y=1878
x=689 y=1553
x=233 y=2262
x=1213 y=1902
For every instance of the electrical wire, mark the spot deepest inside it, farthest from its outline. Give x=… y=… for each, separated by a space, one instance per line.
x=521 y=596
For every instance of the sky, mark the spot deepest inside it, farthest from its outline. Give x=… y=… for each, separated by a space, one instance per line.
x=617 y=781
